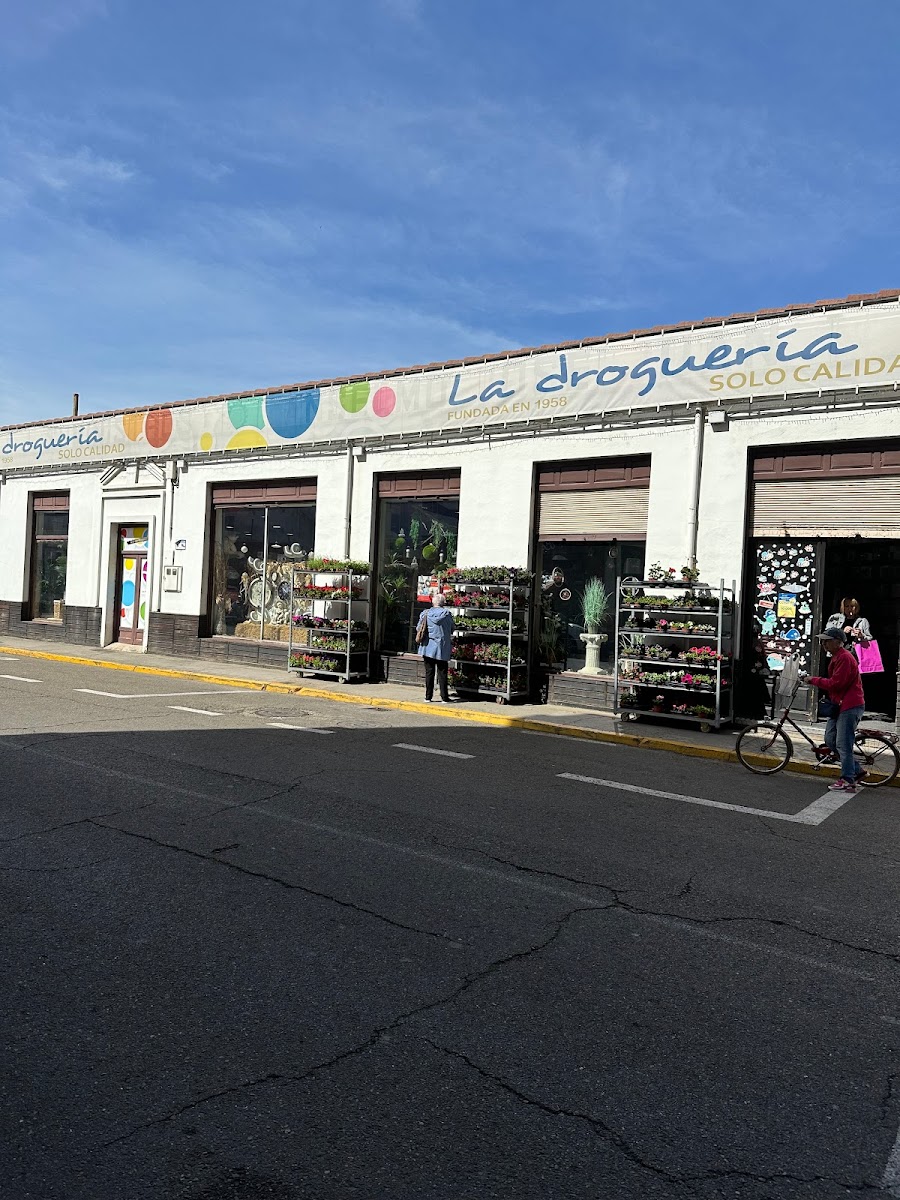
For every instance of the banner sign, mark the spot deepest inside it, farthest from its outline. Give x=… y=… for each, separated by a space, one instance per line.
x=842 y=349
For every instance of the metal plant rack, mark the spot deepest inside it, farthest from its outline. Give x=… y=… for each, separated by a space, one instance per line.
x=351 y=662
x=513 y=605
x=649 y=625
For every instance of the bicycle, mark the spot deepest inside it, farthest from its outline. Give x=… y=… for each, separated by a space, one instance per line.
x=765 y=749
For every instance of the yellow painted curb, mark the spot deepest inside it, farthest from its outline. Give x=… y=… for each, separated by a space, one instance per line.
x=638 y=741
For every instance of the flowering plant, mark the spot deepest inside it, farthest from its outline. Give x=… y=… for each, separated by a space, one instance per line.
x=486 y=652
x=680 y=709
x=659 y=652
x=656 y=574
x=336 y=641
x=473 y=600
x=494 y=575
x=701 y=655
x=689 y=573
x=311 y=591
x=337 y=566
x=629 y=700
x=486 y=624
x=704 y=681
x=314 y=662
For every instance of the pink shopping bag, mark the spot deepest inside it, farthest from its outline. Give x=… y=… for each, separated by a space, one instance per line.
x=869 y=658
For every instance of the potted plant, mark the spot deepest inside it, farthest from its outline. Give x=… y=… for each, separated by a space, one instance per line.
x=690 y=574
x=594 y=612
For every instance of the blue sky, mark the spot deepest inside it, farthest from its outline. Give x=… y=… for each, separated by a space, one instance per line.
x=201 y=197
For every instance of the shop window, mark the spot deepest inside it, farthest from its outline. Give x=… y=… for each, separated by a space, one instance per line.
x=565 y=568
x=254 y=549
x=49 y=555
x=414 y=536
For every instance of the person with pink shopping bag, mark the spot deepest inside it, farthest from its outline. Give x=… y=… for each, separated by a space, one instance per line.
x=858 y=633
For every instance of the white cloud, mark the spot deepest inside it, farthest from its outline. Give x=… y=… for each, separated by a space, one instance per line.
x=62 y=171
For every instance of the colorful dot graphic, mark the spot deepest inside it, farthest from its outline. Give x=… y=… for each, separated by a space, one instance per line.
x=384 y=401
x=133 y=424
x=354 y=397
x=246 y=412
x=206 y=441
x=291 y=413
x=158 y=426
x=246 y=439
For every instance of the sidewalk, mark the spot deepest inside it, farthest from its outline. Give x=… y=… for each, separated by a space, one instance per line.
x=552 y=719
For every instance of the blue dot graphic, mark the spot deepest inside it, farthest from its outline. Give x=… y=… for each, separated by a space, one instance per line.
x=291 y=413
x=127 y=593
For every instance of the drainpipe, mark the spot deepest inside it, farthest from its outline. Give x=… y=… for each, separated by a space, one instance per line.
x=694 y=514
x=348 y=502
x=164 y=537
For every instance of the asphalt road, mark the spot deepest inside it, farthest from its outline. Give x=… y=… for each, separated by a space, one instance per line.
x=243 y=960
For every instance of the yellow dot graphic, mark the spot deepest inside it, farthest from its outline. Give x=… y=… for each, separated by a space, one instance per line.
x=206 y=441
x=246 y=439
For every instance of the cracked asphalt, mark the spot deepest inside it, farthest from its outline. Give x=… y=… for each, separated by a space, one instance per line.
x=245 y=961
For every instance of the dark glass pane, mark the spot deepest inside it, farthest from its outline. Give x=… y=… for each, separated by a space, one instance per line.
x=291 y=535
x=48 y=523
x=247 y=590
x=49 y=577
x=237 y=559
x=414 y=537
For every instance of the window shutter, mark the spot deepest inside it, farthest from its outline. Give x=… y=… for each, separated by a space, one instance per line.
x=868 y=506
x=596 y=516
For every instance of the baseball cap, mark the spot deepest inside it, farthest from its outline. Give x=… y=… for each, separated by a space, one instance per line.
x=832 y=634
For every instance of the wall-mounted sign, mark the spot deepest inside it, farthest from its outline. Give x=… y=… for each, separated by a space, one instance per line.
x=842 y=349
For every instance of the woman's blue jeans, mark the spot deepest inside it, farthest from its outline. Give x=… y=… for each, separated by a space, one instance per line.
x=840 y=732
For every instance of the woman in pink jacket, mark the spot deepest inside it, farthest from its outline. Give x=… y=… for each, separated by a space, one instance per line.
x=843 y=687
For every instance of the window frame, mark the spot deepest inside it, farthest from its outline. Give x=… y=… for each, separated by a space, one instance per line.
x=39 y=503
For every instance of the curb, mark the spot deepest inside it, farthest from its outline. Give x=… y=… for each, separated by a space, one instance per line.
x=528 y=724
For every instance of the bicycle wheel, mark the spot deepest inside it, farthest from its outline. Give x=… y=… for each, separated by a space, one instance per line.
x=878 y=757
x=764 y=749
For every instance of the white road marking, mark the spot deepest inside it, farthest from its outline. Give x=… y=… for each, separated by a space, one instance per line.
x=300 y=728
x=201 y=712
x=821 y=809
x=813 y=814
x=431 y=750
x=890 y=1180
x=20 y=679
x=153 y=695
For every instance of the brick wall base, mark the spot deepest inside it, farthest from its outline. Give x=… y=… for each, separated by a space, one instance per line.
x=184 y=637
x=80 y=626
x=402 y=668
x=581 y=691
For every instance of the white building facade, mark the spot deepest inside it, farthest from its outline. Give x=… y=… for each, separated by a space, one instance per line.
x=765 y=448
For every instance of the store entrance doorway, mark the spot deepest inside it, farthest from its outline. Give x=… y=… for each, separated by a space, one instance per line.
x=566 y=567
x=132 y=591
x=868 y=570
x=797 y=584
